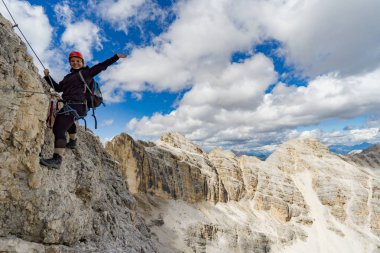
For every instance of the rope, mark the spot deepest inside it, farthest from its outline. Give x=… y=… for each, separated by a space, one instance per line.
x=17 y=90
x=26 y=40
x=16 y=25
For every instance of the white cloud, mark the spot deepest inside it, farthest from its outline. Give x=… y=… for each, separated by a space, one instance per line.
x=212 y=106
x=29 y=19
x=124 y=14
x=35 y=25
x=211 y=116
x=83 y=36
x=64 y=13
x=334 y=42
x=349 y=138
x=322 y=36
x=318 y=37
x=239 y=86
x=117 y=11
x=326 y=97
x=196 y=47
x=360 y=135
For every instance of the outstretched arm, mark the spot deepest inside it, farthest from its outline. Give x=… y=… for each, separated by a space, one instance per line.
x=96 y=69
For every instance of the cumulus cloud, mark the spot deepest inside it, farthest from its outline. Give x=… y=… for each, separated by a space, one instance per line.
x=318 y=37
x=124 y=14
x=83 y=36
x=29 y=18
x=325 y=97
x=198 y=45
x=36 y=27
x=219 y=103
x=322 y=36
x=334 y=43
x=210 y=115
x=63 y=12
x=349 y=138
x=117 y=11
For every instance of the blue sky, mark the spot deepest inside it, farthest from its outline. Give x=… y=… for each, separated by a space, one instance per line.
x=236 y=74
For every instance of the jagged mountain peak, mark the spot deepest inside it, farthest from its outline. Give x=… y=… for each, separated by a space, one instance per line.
x=374 y=148
x=369 y=157
x=294 y=149
x=179 y=141
x=304 y=145
x=218 y=152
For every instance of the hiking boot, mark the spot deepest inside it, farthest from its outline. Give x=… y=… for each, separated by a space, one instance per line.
x=52 y=163
x=72 y=144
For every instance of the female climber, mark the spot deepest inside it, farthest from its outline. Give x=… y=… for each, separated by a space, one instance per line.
x=73 y=94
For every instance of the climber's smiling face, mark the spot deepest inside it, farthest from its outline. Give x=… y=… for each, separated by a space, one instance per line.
x=76 y=62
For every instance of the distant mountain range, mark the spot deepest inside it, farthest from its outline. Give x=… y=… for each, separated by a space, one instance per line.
x=343 y=149
x=338 y=149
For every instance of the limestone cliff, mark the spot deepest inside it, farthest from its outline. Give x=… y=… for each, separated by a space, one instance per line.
x=83 y=207
x=301 y=199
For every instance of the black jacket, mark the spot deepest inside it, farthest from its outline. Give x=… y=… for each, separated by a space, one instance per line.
x=72 y=87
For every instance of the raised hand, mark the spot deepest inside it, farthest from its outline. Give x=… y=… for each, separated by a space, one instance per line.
x=46 y=72
x=121 y=55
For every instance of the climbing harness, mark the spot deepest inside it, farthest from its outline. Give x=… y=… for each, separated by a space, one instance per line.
x=67 y=109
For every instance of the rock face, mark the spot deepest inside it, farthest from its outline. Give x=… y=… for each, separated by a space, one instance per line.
x=83 y=207
x=166 y=171
x=367 y=158
x=301 y=199
x=368 y=204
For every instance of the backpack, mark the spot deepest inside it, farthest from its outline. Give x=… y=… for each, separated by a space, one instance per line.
x=94 y=97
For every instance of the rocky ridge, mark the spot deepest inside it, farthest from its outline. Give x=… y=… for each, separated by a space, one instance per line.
x=218 y=202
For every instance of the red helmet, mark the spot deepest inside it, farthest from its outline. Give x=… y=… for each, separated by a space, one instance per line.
x=76 y=54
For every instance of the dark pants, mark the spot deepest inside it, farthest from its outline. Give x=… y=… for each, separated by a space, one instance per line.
x=65 y=122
